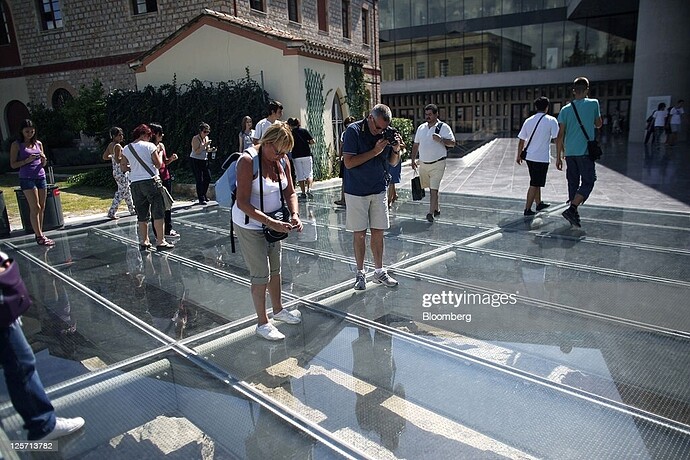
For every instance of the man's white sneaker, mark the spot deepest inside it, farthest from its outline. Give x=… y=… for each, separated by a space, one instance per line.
x=384 y=278
x=290 y=317
x=269 y=332
x=360 y=282
x=63 y=427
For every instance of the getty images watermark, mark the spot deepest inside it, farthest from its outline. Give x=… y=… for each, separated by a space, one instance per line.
x=456 y=300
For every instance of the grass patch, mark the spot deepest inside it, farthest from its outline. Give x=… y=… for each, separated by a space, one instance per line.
x=76 y=199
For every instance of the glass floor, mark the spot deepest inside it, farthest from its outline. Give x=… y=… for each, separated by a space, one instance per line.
x=506 y=338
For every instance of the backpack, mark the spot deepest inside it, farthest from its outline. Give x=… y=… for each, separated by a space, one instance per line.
x=226 y=186
x=439 y=125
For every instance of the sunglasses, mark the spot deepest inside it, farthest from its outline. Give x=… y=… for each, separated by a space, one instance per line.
x=377 y=127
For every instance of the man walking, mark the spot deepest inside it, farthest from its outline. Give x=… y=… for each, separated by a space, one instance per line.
x=537 y=130
x=430 y=144
x=365 y=154
x=275 y=112
x=580 y=172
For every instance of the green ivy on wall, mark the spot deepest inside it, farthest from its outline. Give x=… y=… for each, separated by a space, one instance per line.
x=357 y=96
x=316 y=102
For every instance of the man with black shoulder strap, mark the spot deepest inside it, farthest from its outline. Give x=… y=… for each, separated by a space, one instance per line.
x=573 y=136
x=430 y=142
x=537 y=130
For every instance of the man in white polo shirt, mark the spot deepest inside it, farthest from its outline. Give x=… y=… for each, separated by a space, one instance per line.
x=430 y=143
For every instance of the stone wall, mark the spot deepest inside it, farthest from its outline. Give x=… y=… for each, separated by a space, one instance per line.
x=109 y=32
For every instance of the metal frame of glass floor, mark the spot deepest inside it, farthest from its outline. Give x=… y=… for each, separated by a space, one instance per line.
x=505 y=338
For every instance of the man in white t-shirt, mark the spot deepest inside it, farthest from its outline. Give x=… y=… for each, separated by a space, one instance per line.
x=430 y=142
x=537 y=131
x=676 y=114
x=275 y=112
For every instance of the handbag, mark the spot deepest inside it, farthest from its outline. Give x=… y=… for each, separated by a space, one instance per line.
x=167 y=198
x=417 y=190
x=593 y=148
x=282 y=214
x=523 y=154
x=14 y=297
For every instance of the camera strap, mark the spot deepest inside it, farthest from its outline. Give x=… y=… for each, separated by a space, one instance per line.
x=261 y=184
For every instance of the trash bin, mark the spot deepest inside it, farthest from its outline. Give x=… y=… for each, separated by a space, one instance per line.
x=4 y=220
x=52 y=215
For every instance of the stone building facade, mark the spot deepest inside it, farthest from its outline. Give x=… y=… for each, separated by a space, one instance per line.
x=53 y=45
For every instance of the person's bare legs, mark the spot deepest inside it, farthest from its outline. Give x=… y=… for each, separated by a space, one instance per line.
x=377 y=247
x=259 y=299
x=301 y=185
x=274 y=285
x=42 y=194
x=143 y=230
x=532 y=193
x=359 y=240
x=159 y=225
x=35 y=211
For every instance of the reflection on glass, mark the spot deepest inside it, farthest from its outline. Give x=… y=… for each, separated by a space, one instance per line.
x=373 y=363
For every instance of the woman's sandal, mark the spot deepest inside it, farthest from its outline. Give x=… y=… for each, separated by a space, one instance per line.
x=165 y=246
x=44 y=241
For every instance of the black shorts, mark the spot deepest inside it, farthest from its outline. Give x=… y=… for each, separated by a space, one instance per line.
x=537 y=173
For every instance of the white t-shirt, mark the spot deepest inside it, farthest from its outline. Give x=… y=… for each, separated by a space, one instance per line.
x=430 y=150
x=261 y=128
x=659 y=118
x=676 y=113
x=538 y=149
x=144 y=149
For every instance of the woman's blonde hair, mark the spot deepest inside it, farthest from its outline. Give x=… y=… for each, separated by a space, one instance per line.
x=279 y=135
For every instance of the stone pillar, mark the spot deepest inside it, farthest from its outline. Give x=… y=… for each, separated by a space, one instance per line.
x=662 y=60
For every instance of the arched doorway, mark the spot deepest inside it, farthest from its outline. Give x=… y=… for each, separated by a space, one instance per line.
x=337 y=120
x=15 y=113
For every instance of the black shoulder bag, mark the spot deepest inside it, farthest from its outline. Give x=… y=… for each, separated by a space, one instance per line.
x=593 y=148
x=282 y=214
x=523 y=154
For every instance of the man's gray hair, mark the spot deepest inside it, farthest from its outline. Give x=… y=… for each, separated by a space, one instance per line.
x=382 y=111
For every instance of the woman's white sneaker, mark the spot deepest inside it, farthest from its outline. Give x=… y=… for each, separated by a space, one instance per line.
x=269 y=332
x=290 y=317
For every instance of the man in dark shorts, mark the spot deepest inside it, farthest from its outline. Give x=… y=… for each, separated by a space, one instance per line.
x=535 y=137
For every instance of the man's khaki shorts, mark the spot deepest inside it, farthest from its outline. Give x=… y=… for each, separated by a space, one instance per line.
x=430 y=175
x=370 y=211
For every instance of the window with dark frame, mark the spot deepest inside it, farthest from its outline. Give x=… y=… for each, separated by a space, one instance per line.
x=443 y=68
x=468 y=66
x=346 y=18
x=257 y=5
x=5 y=26
x=60 y=97
x=365 y=26
x=293 y=11
x=322 y=15
x=51 y=14
x=145 y=6
x=421 y=69
x=399 y=72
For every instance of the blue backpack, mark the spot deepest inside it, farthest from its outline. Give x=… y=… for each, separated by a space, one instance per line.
x=226 y=186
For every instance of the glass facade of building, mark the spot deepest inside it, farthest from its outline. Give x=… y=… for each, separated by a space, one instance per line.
x=431 y=39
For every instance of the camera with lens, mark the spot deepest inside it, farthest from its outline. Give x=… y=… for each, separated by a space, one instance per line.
x=390 y=134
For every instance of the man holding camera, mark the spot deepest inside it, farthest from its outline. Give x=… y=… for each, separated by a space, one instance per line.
x=430 y=142
x=368 y=145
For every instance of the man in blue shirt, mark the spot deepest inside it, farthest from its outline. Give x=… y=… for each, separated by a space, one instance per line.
x=365 y=154
x=580 y=171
